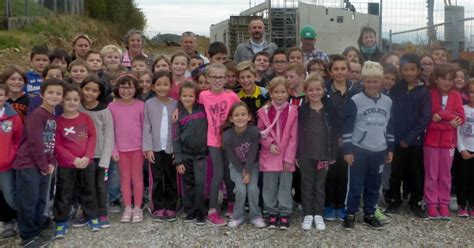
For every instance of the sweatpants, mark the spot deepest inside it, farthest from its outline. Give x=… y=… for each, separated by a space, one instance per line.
x=336 y=183
x=313 y=183
x=164 y=193
x=220 y=170
x=245 y=192
x=365 y=177
x=277 y=192
x=407 y=161
x=32 y=194
x=7 y=187
x=193 y=183
x=69 y=180
x=100 y=187
x=438 y=161
x=131 y=177
x=7 y=213
x=465 y=183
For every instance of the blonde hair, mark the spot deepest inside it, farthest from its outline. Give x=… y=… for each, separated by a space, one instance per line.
x=110 y=49
x=372 y=69
x=313 y=77
x=277 y=81
x=246 y=66
x=215 y=67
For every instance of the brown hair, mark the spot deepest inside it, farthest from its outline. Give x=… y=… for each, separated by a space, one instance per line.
x=158 y=59
x=442 y=71
x=228 y=124
x=246 y=66
x=10 y=70
x=127 y=78
x=298 y=68
x=179 y=54
x=276 y=81
x=313 y=77
x=78 y=62
x=161 y=74
x=51 y=67
x=189 y=85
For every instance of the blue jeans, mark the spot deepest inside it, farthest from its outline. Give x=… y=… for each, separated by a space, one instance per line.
x=7 y=187
x=113 y=184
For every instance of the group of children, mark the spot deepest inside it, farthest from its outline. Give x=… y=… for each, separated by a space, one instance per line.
x=248 y=128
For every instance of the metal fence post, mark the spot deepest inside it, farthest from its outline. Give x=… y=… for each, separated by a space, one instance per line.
x=390 y=40
x=455 y=44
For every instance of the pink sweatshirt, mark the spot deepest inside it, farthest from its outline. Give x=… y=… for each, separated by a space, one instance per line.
x=217 y=108
x=128 y=125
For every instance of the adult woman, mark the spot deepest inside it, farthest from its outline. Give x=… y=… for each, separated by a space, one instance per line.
x=134 y=42
x=81 y=45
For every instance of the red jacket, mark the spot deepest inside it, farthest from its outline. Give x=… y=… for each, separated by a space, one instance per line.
x=11 y=129
x=442 y=134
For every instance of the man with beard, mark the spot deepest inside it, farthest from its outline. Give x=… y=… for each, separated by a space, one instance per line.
x=246 y=51
x=308 y=41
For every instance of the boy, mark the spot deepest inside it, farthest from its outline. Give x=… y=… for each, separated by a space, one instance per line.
x=367 y=144
x=60 y=57
x=34 y=165
x=195 y=62
x=217 y=53
x=412 y=111
x=354 y=74
x=139 y=63
x=390 y=77
x=231 y=77
x=111 y=57
x=262 y=64
x=39 y=59
x=295 y=74
x=254 y=96
x=440 y=55
x=279 y=63
x=78 y=70
x=295 y=55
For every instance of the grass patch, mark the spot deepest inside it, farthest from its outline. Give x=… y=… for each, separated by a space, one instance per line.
x=18 y=8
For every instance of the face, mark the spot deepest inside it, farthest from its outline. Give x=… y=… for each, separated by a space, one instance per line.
x=162 y=65
x=315 y=91
x=373 y=85
x=94 y=62
x=262 y=63
x=318 y=68
x=388 y=81
x=296 y=57
x=135 y=43
x=368 y=39
x=247 y=80
x=339 y=71
x=427 y=65
x=39 y=62
x=444 y=84
x=240 y=117
x=218 y=58
x=187 y=97
x=203 y=83
x=460 y=80
x=78 y=73
x=189 y=44
x=53 y=95
x=162 y=86
x=307 y=44
x=410 y=72
x=138 y=66
x=257 y=30
x=82 y=47
x=279 y=63
x=145 y=83
x=71 y=102
x=126 y=91
x=61 y=63
x=231 y=78
x=112 y=60
x=15 y=83
x=54 y=73
x=91 y=92
x=279 y=94
x=179 y=66
x=439 y=57
x=294 y=80
x=217 y=79
x=352 y=56
x=394 y=60
x=194 y=63
x=3 y=98
x=354 y=72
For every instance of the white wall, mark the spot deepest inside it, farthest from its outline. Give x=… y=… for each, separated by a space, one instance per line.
x=219 y=30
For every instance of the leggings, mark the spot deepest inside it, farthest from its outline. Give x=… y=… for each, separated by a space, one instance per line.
x=220 y=169
x=131 y=177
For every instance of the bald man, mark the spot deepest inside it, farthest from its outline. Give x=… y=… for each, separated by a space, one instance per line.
x=257 y=43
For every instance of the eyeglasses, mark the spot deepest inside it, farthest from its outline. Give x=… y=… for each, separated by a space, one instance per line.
x=216 y=78
x=124 y=88
x=280 y=62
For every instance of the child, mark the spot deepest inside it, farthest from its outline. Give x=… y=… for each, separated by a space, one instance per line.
x=427 y=66
x=231 y=76
x=261 y=60
x=161 y=63
x=111 y=56
x=217 y=103
x=217 y=53
x=39 y=59
x=241 y=142
x=465 y=169
x=295 y=75
x=254 y=96
x=460 y=84
x=140 y=63
x=195 y=62
x=391 y=58
x=50 y=71
x=278 y=126
x=368 y=144
x=190 y=151
x=295 y=55
x=200 y=78
x=354 y=74
x=127 y=113
x=34 y=164
x=179 y=64
x=53 y=71
x=368 y=44
x=412 y=112
x=75 y=145
x=144 y=80
x=353 y=54
x=78 y=70
x=60 y=57
x=14 y=77
x=94 y=62
x=316 y=150
x=440 y=55
x=320 y=66
x=390 y=77
x=279 y=63
x=93 y=91
x=439 y=142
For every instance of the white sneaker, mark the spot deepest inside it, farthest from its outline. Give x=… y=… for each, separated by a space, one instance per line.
x=453 y=204
x=258 y=222
x=234 y=223
x=319 y=223
x=307 y=223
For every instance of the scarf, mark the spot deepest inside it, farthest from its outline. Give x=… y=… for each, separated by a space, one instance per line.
x=368 y=50
x=279 y=110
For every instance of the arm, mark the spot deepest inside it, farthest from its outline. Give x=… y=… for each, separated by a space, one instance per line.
x=424 y=116
x=252 y=155
x=109 y=137
x=348 y=126
x=147 y=135
x=290 y=151
x=91 y=138
x=229 y=150
x=265 y=141
x=178 y=159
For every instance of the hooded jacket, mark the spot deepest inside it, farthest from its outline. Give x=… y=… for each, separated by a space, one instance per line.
x=11 y=128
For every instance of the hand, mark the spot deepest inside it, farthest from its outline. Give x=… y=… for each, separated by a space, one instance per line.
x=287 y=166
x=465 y=154
x=297 y=164
x=115 y=158
x=181 y=169
x=150 y=156
x=274 y=149
x=50 y=169
x=77 y=162
x=332 y=162
x=175 y=116
x=389 y=157
x=85 y=161
x=403 y=144
x=436 y=117
x=245 y=176
x=456 y=122
x=349 y=158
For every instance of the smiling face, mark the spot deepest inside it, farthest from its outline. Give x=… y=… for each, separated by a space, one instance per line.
x=410 y=72
x=78 y=73
x=203 y=83
x=52 y=96
x=460 y=80
x=247 y=81
x=179 y=66
x=135 y=43
x=439 y=56
x=279 y=94
x=279 y=64
x=15 y=83
x=162 y=65
x=315 y=91
x=296 y=57
x=389 y=81
x=54 y=73
x=112 y=60
x=262 y=63
x=339 y=71
x=373 y=85
x=217 y=79
x=240 y=117
x=162 y=86
x=71 y=102
x=126 y=91
x=187 y=97
x=145 y=83
x=353 y=56
x=369 y=39
x=444 y=84
x=91 y=92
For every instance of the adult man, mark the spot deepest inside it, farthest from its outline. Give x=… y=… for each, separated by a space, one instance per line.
x=189 y=44
x=246 y=51
x=308 y=40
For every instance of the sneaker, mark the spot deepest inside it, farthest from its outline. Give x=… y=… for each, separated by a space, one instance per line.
x=94 y=225
x=10 y=231
x=381 y=217
x=372 y=222
x=215 y=220
x=462 y=212
x=307 y=222
x=432 y=213
x=329 y=214
x=200 y=220
x=444 y=212
x=80 y=221
x=170 y=215
x=36 y=242
x=284 y=222
x=258 y=222
x=61 y=230
x=159 y=215
x=127 y=215
x=349 y=222
x=272 y=221
x=137 y=215
x=189 y=217
x=234 y=223
x=104 y=221
x=114 y=207
x=230 y=209
x=418 y=211
x=319 y=223
x=453 y=204
x=341 y=213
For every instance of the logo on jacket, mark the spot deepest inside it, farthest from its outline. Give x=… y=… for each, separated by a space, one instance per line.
x=7 y=126
x=69 y=131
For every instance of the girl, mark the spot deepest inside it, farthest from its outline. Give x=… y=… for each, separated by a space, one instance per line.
x=319 y=66
x=199 y=77
x=368 y=44
x=78 y=71
x=53 y=71
x=391 y=58
x=179 y=64
x=241 y=142
x=158 y=149
x=316 y=148
x=15 y=78
x=93 y=91
x=161 y=63
x=353 y=54
x=75 y=145
x=190 y=151
x=427 y=66
x=217 y=103
x=144 y=80
x=465 y=169
x=127 y=114
x=439 y=142
x=460 y=84
x=277 y=122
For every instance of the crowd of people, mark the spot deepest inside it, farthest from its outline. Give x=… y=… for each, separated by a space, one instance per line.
x=273 y=131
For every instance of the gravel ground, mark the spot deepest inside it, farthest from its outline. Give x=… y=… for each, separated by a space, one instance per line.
x=404 y=231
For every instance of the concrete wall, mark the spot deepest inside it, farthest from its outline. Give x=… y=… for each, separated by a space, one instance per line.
x=220 y=32
x=336 y=28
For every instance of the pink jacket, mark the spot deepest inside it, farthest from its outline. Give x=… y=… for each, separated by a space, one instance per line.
x=288 y=141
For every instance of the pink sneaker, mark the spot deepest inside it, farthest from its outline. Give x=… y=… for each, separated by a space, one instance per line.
x=230 y=210
x=159 y=215
x=444 y=212
x=432 y=212
x=462 y=212
x=215 y=220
